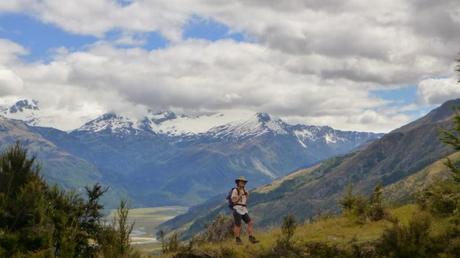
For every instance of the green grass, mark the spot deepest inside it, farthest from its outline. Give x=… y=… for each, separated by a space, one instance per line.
x=405 y=189
x=339 y=230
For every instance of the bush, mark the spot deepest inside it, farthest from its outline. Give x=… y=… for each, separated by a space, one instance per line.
x=409 y=241
x=442 y=198
x=375 y=210
x=284 y=246
x=37 y=220
x=221 y=228
x=354 y=205
x=361 y=209
x=323 y=250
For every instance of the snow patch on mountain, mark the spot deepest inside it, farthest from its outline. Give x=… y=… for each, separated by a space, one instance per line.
x=24 y=110
x=191 y=124
x=332 y=138
x=166 y=123
x=111 y=123
x=258 y=124
x=263 y=169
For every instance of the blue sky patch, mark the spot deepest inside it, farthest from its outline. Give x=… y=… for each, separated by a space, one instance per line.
x=39 y=38
x=209 y=29
x=403 y=95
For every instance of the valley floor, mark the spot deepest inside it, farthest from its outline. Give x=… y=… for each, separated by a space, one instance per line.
x=145 y=221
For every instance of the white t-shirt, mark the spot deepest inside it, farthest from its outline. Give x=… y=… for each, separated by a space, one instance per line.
x=240 y=206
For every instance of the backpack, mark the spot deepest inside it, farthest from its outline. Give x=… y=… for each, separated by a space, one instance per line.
x=229 y=198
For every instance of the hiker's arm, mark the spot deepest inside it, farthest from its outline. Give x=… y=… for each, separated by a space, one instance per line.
x=235 y=197
x=246 y=193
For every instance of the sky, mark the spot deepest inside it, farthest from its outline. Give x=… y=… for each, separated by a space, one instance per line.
x=352 y=65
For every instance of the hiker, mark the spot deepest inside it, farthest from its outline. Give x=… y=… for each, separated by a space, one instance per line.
x=238 y=198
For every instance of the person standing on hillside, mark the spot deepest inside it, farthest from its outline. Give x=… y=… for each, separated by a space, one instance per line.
x=238 y=199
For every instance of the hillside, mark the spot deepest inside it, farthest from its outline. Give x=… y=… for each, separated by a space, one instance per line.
x=404 y=191
x=325 y=236
x=58 y=166
x=305 y=193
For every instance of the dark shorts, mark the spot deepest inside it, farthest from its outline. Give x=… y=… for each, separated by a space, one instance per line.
x=238 y=217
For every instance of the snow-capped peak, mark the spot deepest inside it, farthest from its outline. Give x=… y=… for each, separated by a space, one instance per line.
x=25 y=110
x=260 y=123
x=23 y=106
x=111 y=122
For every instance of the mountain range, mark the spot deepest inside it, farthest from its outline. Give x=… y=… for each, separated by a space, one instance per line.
x=402 y=161
x=165 y=158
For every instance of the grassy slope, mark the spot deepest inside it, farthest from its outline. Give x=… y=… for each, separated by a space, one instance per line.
x=401 y=192
x=404 y=191
x=339 y=230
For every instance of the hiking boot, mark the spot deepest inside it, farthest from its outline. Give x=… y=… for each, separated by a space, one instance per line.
x=253 y=240
x=238 y=241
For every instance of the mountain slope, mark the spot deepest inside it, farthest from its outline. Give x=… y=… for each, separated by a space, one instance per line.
x=57 y=165
x=390 y=159
x=405 y=190
x=190 y=168
x=170 y=159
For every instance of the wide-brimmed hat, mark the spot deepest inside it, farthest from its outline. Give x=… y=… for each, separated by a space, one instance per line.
x=241 y=178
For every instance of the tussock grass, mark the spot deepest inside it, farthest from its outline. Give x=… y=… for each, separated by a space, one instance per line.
x=340 y=231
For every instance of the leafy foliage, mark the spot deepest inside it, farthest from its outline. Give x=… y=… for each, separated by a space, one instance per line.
x=37 y=220
x=452 y=137
x=413 y=240
x=221 y=228
x=361 y=208
x=285 y=246
x=442 y=198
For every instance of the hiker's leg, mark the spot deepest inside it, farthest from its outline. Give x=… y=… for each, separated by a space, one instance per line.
x=237 y=230
x=249 y=222
x=250 y=227
x=237 y=224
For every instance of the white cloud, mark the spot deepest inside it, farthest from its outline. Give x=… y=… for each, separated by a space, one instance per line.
x=311 y=60
x=193 y=76
x=435 y=91
x=9 y=52
x=10 y=83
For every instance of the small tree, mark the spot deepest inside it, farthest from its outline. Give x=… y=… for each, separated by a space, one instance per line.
x=24 y=221
x=284 y=246
x=288 y=228
x=452 y=137
x=354 y=205
x=375 y=209
x=124 y=228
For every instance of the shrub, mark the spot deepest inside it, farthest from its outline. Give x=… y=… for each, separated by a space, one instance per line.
x=221 y=228
x=323 y=250
x=354 y=206
x=442 y=198
x=361 y=209
x=413 y=240
x=284 y=246
x=375 y=210
x=37 y=220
